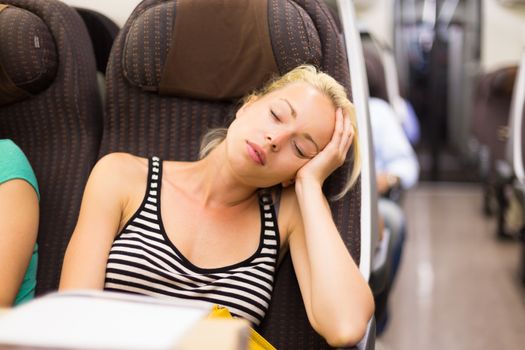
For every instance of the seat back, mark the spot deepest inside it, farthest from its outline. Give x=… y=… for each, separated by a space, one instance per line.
x=375 y=70
x=170 y=79
x=383 y=82
x=102 y=31
x=50 y=106
x=490 y=113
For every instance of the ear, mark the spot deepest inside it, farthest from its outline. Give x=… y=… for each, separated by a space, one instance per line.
x=288 y=183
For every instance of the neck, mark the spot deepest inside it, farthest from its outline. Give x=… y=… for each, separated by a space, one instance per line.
x=214 y=183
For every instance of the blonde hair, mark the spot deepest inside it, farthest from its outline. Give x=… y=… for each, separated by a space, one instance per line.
x=323 y=83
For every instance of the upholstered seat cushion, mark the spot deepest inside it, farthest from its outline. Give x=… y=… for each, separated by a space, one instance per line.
x=32 y=66
x=204 y=55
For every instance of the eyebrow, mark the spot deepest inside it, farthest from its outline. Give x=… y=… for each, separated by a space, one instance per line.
x=294 y=115
x=292 y=110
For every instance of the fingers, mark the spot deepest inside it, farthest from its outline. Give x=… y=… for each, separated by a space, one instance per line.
x=334 y=154
x=341 y=138
x=339 y=127
x=347 y=134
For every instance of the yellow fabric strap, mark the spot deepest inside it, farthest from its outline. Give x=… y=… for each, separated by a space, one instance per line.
x=2 y=6
x=256 y=342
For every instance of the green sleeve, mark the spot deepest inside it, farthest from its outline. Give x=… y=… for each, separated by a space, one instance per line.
x=14 y=165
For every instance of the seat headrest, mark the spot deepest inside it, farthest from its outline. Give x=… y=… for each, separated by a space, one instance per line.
x=212 y=49
x=375 y=71
x=502 y=83
x=28 y=56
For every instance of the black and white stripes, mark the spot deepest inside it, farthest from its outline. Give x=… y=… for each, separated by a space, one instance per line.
x=143 y=261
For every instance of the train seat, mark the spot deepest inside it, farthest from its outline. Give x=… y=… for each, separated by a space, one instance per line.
x=170 y=79
x=102 y=31
x=489 y=124
x=490 y=114
x=50 y=106
x=516 y=153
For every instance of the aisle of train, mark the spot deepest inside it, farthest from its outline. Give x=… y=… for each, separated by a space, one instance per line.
x=458 y=287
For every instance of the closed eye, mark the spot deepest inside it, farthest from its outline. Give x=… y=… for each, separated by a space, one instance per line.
x=298 y=151
x=275 y=116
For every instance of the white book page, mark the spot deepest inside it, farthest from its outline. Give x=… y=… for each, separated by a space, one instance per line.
x=99 y=320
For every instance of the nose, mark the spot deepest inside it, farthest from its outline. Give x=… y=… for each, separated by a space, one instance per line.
x=276 y=138
x=273 y=145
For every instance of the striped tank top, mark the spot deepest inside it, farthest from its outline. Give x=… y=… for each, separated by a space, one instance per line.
x=144 y=261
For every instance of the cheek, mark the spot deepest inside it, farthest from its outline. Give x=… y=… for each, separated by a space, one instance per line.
x=237 y=132
x=290 y=168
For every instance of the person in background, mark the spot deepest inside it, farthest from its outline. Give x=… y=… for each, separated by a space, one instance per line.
x=397 y=170
x=410 y=123
x=19 y=215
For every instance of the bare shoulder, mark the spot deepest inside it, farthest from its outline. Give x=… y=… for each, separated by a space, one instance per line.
x=121 y=162
x=119 y=171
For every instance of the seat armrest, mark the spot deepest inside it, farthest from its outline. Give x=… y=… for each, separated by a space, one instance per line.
x=369 y=340
x=381 y=265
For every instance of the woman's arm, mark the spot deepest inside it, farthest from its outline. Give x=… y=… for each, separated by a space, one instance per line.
x=337 y=298
x=98 y=223
x=18 y=230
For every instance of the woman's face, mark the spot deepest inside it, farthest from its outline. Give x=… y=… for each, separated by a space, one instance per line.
x=273 y=136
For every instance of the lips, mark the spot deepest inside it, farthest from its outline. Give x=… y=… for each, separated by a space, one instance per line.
x=256 y=153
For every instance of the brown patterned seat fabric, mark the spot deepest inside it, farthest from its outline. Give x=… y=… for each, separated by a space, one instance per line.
x=102 y=31
x=143 y=118
x=490 y=111
x=45 y=50
x=33 y=65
